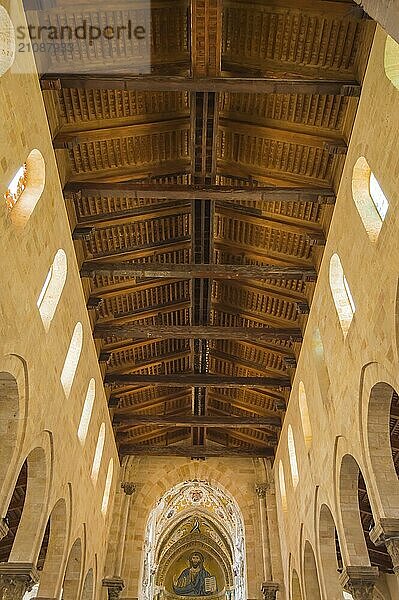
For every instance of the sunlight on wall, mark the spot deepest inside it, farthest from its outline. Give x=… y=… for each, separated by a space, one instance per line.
x=72 y=359
x=98 y=454
x=86 y=411
x=52 y=288
x=343 y=299
x=293 y=459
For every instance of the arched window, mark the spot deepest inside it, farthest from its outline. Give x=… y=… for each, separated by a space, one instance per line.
x=283 y=492
x=98 y=453
x=370 y=200
x=293 y=460
x=72 y=359
x=7 y=41
x=391 y=61
x=25 y=188
x=107 y=488
x=52 y=288
x=86 y=412
x=305 y=418
x=342 y=295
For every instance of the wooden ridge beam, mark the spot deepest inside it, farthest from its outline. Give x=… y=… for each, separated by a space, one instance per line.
x=197 y=271
x=294 y=84
x=124 y=422
x=201 y=380
x=194 y=451
x=193 y=332
x=130 y=189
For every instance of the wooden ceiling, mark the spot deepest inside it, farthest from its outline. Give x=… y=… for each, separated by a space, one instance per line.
x=200 y=197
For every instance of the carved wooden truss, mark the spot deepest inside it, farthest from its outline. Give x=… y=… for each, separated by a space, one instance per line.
x=221 y=165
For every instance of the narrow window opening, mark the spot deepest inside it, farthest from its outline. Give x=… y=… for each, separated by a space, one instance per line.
x=293 y=459
x=98 y=454
x=87 y=411
x=107 y=489
x=72 y=359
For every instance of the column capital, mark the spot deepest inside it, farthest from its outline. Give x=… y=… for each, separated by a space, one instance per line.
x=359 y=581
x=269 y=590
x=4 y=529
x=386 y=531
x=115 y=586
x=261 y=489
x=128 y=487
x=16 y=579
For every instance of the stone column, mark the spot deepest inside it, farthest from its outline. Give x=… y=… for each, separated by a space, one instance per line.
x=129 y=488
x=387 y=532
x=269 y=590
x=261 y=489
x=3 y=529
x=16 y=579
x=115 y=585
x=359 y=581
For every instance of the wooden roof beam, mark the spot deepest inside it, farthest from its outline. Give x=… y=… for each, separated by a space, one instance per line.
x=194 y=451
x=124 y=422
x=129 y=189
x=193 y=332
x=143 y=313
x=141 y=213
x=129 y=367
x=146 y=250
x=69 y=139
x=332 y=8
x=197 y=271
x=332 y=145
x=201 y=380
x=125 y=412
x=277 y=84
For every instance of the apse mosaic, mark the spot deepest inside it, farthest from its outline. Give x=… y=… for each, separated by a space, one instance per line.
x=194 y=545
